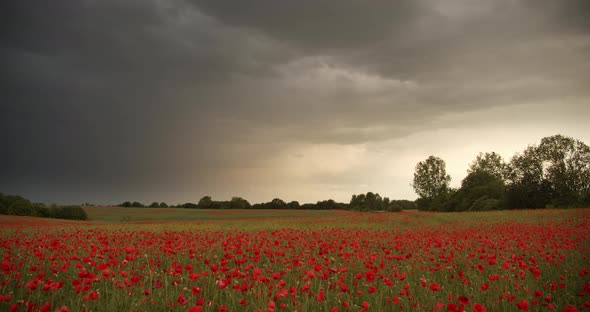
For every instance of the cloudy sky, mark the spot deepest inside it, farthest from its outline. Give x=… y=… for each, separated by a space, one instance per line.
x=170 y=100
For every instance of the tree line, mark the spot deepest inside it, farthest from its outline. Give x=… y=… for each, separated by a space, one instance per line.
x=554 y=173
x=361 y=202
x=20 y=206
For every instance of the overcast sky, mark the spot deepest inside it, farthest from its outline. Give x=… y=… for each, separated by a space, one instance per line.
x=162 y=100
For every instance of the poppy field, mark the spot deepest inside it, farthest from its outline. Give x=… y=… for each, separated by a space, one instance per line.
x=533 y=260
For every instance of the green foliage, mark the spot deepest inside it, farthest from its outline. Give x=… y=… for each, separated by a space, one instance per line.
x=294 y=205
x=134 y=204
x=20 y=206
x=401 y=204
x=374 y=202
x=566 y=164
x=68 y=212
x=555 y=173
x=491 y=163
x=431 y=183
x=422 y=204
x=527 y=186
x=188 y=205
x=480 y=190
x=431 y=178
x=329 y=204
x=238 y=203
x=366 y=202
x=205 y=203
x=278 y=203
x=441 y=201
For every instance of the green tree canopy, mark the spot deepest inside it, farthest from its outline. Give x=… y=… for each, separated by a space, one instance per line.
x=480 y=190
x=554 y=173
x=431 y=178
x=238 y=203
x=491 y=163
x=205 y=203
x=278 y=203
x=566 y=166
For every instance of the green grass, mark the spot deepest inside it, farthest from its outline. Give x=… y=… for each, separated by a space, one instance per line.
x=264 y=219
x=141 y=215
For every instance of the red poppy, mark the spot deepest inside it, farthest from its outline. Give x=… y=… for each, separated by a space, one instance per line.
x=479 y=308
x=181 y=299
x=523 y=305
x=320 y=296
x=464 y=300
x=570 y=308
x=434 y=287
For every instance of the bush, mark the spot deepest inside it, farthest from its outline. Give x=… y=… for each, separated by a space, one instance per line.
x=20 y=206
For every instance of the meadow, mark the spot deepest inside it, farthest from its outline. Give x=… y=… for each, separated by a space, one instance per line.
x=140 y=259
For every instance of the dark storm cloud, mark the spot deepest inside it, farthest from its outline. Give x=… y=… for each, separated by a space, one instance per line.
x=106 y=100
x=462 y=55
x=318 y=24
x=85 y=86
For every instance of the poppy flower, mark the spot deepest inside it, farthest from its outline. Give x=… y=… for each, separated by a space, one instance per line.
x=464 y=300
x=523 y=305
x=478 y=307
x=434 y=287
x=320 y=296
x=181 y=299
x=570 y=308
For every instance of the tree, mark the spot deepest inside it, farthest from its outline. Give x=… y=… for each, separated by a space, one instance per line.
x=566 y=166
x=527 y=187
x=163 y=205
x=239 y=203
x=357 y=202
x=554 y=173
x=431 y=178
x=401 y=204
x=370 y=202
x=17 y=205
x=20 y=207
x=294 y=205
x=480 y=190
x=205 y=203
x=188 y=205
x=491 y=163
x=154 y=205
x=374 y=201
x=278 y=203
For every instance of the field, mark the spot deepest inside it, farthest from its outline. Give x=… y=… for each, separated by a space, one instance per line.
x=141 y=259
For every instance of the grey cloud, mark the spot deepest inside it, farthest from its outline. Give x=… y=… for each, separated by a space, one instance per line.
x=132 y=97
x=317 y=24
x=457 y=51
